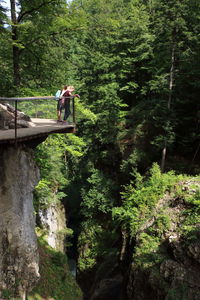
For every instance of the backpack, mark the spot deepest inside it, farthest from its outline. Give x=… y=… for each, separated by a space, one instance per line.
x=57 y=95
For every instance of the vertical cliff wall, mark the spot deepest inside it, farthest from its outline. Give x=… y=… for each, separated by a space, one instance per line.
x=53 y=220
x=18 y=244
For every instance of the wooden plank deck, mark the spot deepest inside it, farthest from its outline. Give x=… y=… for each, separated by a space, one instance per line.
x=42 y=128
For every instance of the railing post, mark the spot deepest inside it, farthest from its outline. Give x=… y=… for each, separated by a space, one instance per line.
x=15 y=123
x=74 y=116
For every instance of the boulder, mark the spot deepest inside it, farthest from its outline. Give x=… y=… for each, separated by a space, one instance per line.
x=7 y=118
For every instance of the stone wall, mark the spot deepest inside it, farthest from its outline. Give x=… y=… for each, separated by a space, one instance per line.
x=18 y=244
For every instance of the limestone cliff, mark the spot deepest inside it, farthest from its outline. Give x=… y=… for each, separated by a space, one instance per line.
x=18 y=252
x=166 y=257
x=53 y=220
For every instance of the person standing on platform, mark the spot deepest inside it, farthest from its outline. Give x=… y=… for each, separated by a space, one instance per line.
x=60 y=104
x=66 y=96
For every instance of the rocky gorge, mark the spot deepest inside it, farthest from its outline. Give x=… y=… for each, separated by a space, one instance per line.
x=20 y=254
x=158 y=260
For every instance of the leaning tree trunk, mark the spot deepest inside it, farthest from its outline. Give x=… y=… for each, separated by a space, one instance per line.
x=171 y=82
x=16 y=50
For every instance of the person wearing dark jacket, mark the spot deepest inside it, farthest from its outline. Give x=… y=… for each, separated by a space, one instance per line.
x=65 y=98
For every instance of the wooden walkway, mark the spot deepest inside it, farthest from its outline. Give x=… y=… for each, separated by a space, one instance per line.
x=42 y=128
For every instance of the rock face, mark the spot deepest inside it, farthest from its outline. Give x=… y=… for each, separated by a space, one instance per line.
x=7 y=118
x=53 y=220
x=171 y=269
x=104 y=282
x=18 y=244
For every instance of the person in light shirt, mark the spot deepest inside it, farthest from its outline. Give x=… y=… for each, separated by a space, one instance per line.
x=60 y=104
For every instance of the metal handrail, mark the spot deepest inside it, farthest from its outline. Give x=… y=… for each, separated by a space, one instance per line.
x=19 y=99
x=31 y=98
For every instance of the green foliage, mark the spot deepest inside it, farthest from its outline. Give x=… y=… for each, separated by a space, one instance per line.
x=98 y=197
x=49 y=156
x=147 y=254
x=84 y=113
x=88 y=245
x=118 y=55
x=73 y=145
x=151 y=209
x=43 y=193
x=162 y=224
x=194 y=196
x=178 y=293
x=94 y=244
x=6 y=294
x=10 y=293
x=189 y=192
x=5 y=60
x=139 y=202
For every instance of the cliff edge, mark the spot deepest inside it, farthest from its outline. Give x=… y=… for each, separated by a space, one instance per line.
x=18 y=252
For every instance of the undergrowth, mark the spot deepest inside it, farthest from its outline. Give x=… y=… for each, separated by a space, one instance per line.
x=56 y=281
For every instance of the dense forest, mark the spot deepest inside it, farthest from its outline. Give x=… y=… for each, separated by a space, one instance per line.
x=136 y=66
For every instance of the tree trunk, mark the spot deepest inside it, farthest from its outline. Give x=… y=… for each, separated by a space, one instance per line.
x=164 y=152
x=171 y=78
x=16 y=50
x=171 y=82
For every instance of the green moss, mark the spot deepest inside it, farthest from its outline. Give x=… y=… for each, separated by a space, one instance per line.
x=6 y=294
x=56 y=282
x=191 y=215
x=178 y=293
x=11 y=293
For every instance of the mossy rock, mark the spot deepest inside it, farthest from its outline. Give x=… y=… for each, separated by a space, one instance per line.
x=56 y=282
